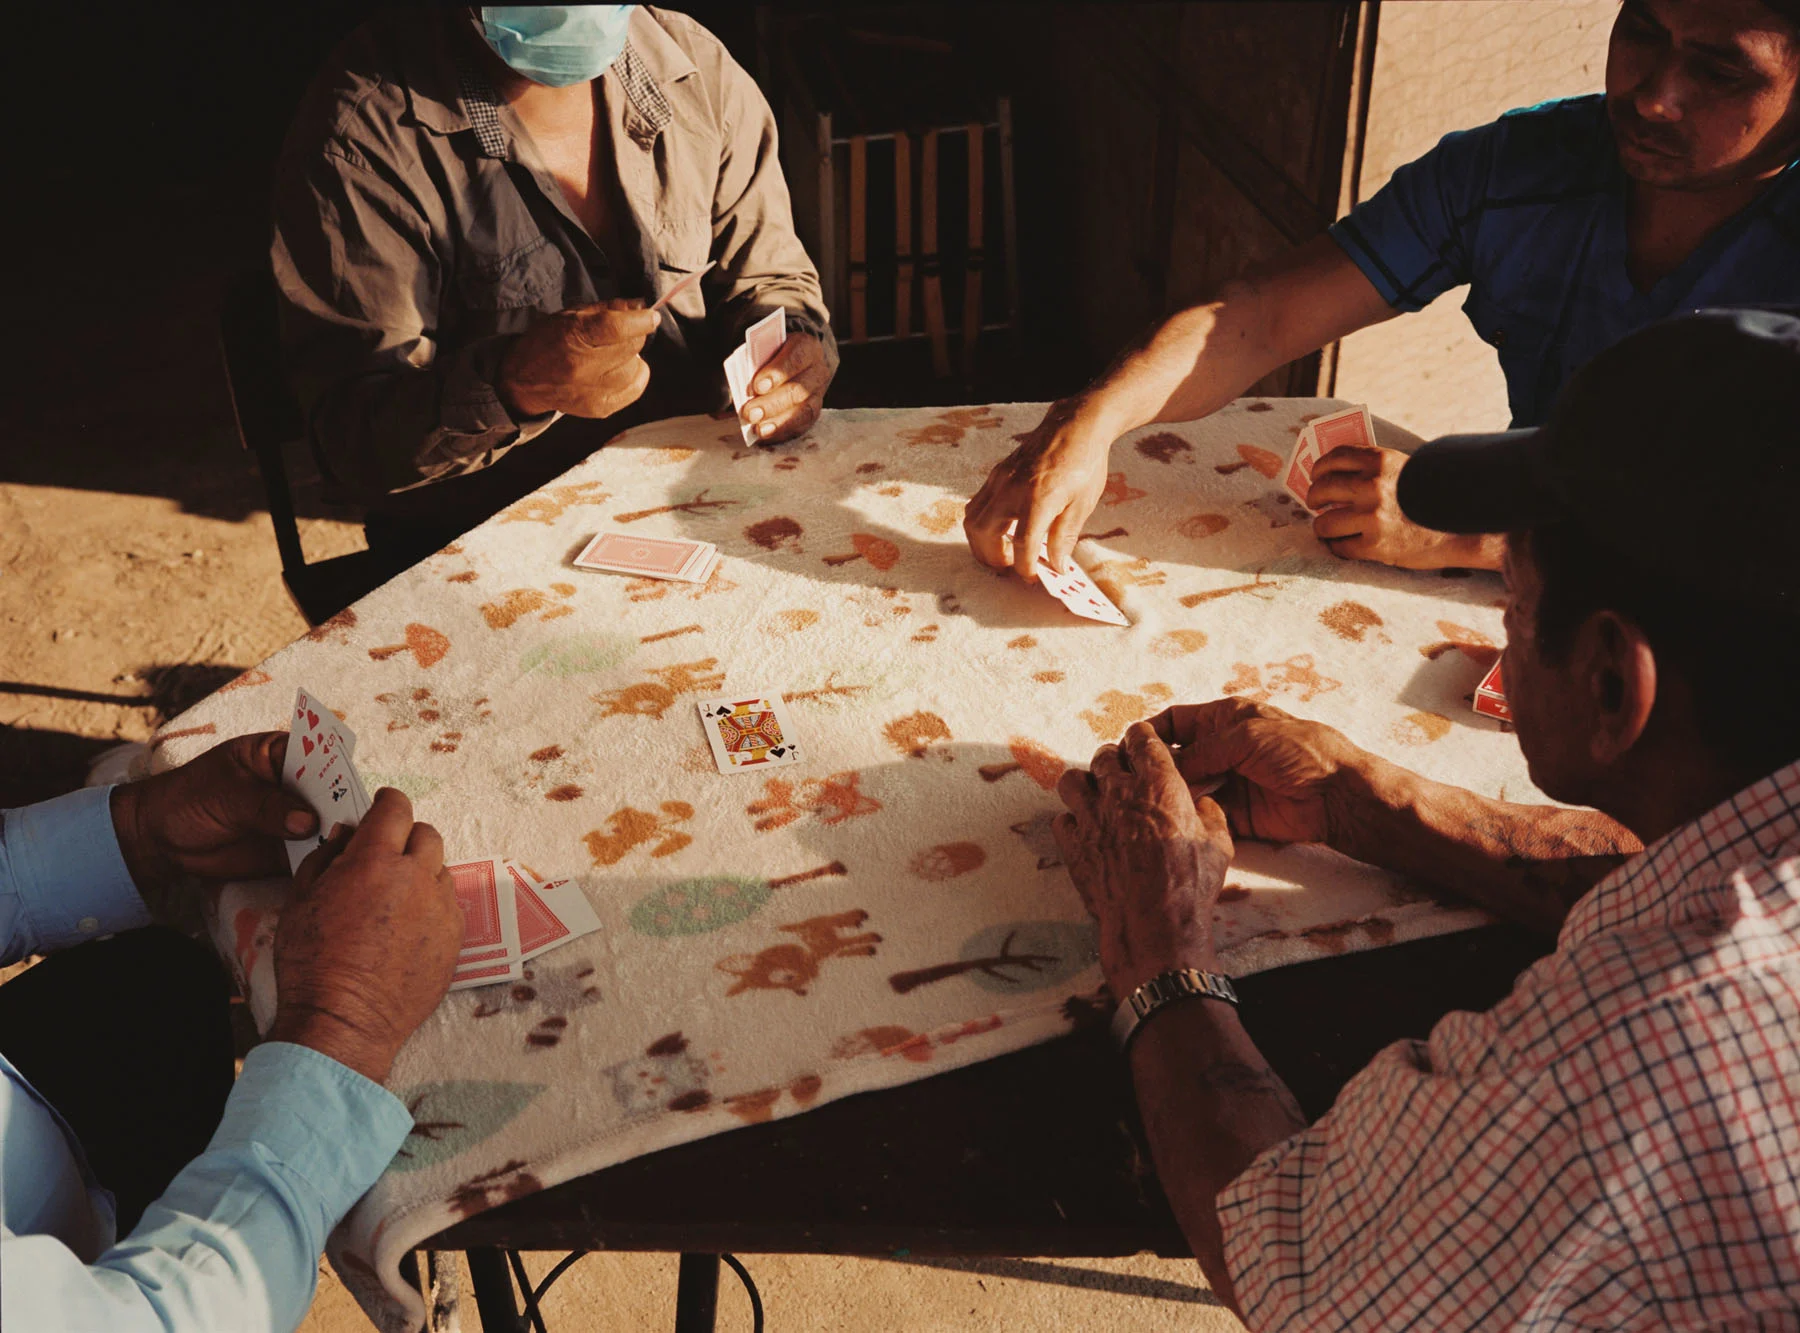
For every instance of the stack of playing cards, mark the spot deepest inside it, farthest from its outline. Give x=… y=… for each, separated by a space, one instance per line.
x=318 y=770
x=510 y=916
x=1489 y=701
x=1075 y=590
x=761 y=341
x=749 y=731
x=651 y=557
x=1320 y=437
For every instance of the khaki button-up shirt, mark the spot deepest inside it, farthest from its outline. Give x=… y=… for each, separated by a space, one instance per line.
x=417 y=229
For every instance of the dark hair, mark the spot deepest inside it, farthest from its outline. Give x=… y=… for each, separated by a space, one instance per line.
x=1788 y=11
x=1743 y=665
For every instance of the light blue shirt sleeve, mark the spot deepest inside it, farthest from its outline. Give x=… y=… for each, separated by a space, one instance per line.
x=62 y=878
x=234 y=1242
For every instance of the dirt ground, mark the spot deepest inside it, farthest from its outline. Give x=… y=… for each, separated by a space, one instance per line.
x=138 y=573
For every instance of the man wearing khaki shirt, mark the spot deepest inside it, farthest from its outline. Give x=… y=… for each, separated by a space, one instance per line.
x=472 y=210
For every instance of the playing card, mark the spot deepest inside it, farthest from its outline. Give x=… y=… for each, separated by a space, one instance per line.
x=1490 y=700
x=318 y=769
x=550 y=914
x=766 y=337
x=681 y=286
x=652 y=557
x=1297 y=480
x=1352 y=426
x=487 y=974
x=488 y=898
x=1075 y=590
x=749 y=731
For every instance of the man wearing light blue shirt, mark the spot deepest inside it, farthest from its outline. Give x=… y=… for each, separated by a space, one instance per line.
x=363 y=953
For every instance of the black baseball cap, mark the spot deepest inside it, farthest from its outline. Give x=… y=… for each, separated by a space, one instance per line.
x=1676 y=449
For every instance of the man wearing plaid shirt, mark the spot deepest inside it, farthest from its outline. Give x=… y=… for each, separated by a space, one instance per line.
x=1617 y=1143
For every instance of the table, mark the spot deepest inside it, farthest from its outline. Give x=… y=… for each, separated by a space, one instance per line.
x=892 y=908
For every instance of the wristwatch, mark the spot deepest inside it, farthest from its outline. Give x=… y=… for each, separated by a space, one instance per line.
x=1165 y=989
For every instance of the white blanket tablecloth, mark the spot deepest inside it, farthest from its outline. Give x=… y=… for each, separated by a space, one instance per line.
x=893 y=906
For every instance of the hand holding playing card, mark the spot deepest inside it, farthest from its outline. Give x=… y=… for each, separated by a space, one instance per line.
x=788 y=393
x=1360 y=519
x=367 y=943
x=222 y=816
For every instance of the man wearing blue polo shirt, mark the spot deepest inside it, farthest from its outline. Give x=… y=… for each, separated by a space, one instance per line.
x=1574 y=223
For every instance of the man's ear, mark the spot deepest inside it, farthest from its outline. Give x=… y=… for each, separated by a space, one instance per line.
x=1620 y=671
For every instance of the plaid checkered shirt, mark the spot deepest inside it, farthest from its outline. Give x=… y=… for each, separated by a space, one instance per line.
x=1615 y=1145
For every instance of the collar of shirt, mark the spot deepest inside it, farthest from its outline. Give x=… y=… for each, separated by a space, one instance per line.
x=448 y=94
x=1667 y=881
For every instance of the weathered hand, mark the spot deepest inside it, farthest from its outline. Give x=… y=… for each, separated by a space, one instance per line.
x=1287 y=779
x=367 y=944
x=221 y=816
x=1042 y=491
x=788 y=394
x=584 y=362
x=1146 y=857
x=1361 y=520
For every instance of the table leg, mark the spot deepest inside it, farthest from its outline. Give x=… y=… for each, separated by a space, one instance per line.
x=493 y=1284
x=697 y=1294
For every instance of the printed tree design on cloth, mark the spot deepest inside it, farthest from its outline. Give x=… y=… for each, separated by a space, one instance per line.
x=578 y=655
x=696 y=906
x=451 y=1117
x=1014 y=957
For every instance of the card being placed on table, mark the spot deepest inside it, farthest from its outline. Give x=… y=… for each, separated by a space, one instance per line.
x=318 y=770
x=1075 y=590
x=649 y=557
x=749 y=731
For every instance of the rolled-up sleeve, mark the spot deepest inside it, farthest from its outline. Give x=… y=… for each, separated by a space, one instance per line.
x=361 y=285
x=63 y=879
x=762 y=263
x=234 y=1242
x=1413 y=238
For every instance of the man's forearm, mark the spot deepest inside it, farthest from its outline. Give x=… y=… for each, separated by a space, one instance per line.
x=1529 y=863
x=1211 y=1104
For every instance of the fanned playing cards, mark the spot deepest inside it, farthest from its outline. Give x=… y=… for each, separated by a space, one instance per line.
x=1353 y=426
x=318 y=770
x=762 y=340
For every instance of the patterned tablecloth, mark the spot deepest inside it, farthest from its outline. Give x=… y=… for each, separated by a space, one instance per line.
x=892 y=907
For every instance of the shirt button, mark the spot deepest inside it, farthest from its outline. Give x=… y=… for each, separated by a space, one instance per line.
x=88 y=925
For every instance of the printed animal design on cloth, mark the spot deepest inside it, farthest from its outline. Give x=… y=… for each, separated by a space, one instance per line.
x=1115 y=710
x=1013 y=957
x=1472 y=644
x=702 y=503
x=917 y=1047
x=514 y=606
x=450 y=719
x=696 y=906
x=556 y=991
x=946 y=514
x=915 y=734
x=557 y=773
x=1114 y=576
x=552 y=502
x=1178 y=643
x=1420 y=728
x=878 y=551
x=335 y=630
x=1038 y=839
x=795 y=966
x=427 y=646
x=947 y=860
x=654 y=590
x=1197 y=527
x=754 y=1108
x=629 y=828
x=1118 y=491
x=654 y=697
x=879 y=605
x=453 y=1116
x=792 y=621
x=831 y=691
x=1260 y=459
x=1279 y=508
x=668 y=1076
x=503 y=1184
x=1028 y=757
x=830 y=800
x=951 y=426
x=245 y=680
x=1296 y=674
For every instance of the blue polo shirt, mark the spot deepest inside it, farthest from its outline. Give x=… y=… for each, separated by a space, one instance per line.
x=1530 y=211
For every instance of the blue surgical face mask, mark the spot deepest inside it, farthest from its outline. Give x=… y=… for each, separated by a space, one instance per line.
x=557 y=45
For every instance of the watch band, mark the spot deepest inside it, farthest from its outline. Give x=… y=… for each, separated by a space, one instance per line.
x=1165 y=989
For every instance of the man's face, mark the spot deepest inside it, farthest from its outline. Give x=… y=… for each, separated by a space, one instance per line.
x=1702 y=92
x=1546 y=701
